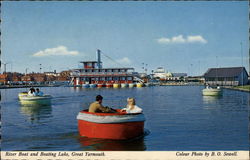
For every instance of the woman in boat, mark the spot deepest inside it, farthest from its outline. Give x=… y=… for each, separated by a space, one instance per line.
x=32 y=92
x=132 y=107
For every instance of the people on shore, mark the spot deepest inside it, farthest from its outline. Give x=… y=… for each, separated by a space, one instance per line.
x=97 y=107
x=132 y=107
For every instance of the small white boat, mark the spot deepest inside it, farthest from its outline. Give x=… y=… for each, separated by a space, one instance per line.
x=147 y=84
x=26 y=99
x=211 y=91
x=124 y=85
x=131 y=85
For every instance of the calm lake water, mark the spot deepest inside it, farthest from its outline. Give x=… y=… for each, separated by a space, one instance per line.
x=177 y=118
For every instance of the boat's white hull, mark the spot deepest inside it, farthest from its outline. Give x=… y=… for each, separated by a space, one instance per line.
x=211 y=92
x=131 y=85
x=124 y=85
x=44 y=100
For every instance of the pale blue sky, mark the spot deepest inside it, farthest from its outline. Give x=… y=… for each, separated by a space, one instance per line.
x=179 y=36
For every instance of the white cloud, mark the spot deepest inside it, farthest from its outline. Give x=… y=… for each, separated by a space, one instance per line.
x=194 y=39
x=58 y=51
x=178 y=39
x=181 y=39
x=124 y=61
x=163 y=40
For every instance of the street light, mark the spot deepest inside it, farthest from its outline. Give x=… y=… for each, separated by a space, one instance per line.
x=242 y=64
x=26 y=71
x=40 y=68
x=191 y=65
x=5 y=72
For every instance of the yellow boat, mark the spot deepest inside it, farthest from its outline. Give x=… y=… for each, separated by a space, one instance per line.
x=124 y=85
x=131 y=85
x=139 y=85
x=116 y=85
x=22 y=94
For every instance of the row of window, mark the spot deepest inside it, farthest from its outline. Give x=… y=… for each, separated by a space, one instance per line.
x=221 y=79
x=103 y=70
x=106 y=78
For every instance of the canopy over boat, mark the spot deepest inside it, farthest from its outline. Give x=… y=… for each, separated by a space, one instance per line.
x=110 y=125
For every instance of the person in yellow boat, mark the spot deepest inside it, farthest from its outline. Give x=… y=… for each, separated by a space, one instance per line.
x=97 y=107
x=32 y=92
x=132 y=107
x=38 y=92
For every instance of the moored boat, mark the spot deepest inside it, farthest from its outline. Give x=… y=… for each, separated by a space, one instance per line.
x=116 y=85
x=131 y=85
x=100 y=85
x=85 y=85
x=92 y=85
x=124 y=85
x=139 y=85
x=110 y=125
x=147 y=84
x=109 y=85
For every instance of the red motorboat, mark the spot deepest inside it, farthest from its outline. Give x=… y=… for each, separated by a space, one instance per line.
x=110 y=125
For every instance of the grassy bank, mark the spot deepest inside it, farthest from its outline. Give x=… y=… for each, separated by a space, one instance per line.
x=244 y=88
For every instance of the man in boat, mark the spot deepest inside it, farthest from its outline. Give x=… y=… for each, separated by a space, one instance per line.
x=38 y=92
x=97 y=107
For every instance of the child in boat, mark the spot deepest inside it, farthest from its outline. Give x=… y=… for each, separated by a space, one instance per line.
x=131 y=107
x=38 y=92
x=32 y=92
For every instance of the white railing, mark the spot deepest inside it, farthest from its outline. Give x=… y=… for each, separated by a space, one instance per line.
x=99 y=73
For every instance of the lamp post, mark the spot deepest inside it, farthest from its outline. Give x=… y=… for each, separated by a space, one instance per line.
x=26 y=71
x=146 y=69
x=242 y=64
x=5 y=74
x=40 y=68
x=142 y=67
x=191 y=65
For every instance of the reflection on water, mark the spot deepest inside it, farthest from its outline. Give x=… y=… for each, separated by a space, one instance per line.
x=36 y=112
x=37 y=102
x=210 y=99
x=136 y=144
